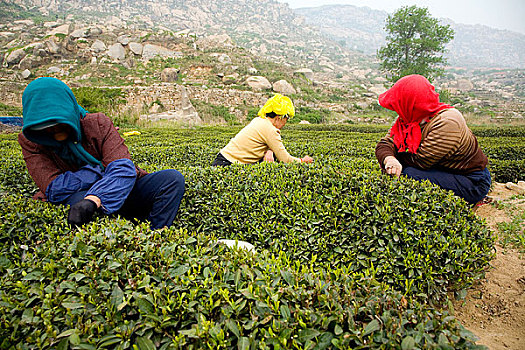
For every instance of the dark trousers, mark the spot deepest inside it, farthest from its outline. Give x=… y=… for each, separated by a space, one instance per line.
x=220 y=160
x=155 y=197
x=472 y=187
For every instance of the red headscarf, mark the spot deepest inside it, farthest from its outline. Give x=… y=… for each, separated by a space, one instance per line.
x=414 y=99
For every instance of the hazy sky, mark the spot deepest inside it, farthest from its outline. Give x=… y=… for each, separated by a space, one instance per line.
x=501 y=14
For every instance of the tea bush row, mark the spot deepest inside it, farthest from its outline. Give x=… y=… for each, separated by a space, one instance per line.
x=325 y=143
x=340 y=211
x=117 y=285
x=338 y=217
x=413 y=236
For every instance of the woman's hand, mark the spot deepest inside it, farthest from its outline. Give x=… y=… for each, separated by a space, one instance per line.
x=392 y=166
x=307 y=159
x=268 y=156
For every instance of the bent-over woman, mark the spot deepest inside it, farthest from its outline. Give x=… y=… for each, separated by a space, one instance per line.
x=431 y=141
x=261 y=139
x=79 y=158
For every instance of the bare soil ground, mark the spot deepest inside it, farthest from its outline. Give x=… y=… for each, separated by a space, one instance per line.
x=494 y=310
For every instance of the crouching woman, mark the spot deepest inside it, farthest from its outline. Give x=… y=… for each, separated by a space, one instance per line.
x=260 y=140
x=431 y=141
x=78 y=158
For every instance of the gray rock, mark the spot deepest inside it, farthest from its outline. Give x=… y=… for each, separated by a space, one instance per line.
x=26 y=74
x=136 y=48
x=129 y=63
x=94 y=31
x=28 y=62
x=40 y=53
x=284 y=87
x=51 y=24
x=187 y=115
x=258 y=83
x=63 y=29
x=150 y=51
x=124 y=39
x=117 y=52
x=6 y=34
x=169 y=75
x=52 y=47
x=98 y=46
x=54 y=69
x=25 y=22
x=80 y=33
x=215 y=41
x=70 y=44
x=230 y=79
x=514 y=187
x=224 y=59
x=307 y=73
x=15 y=57
x=93 y=61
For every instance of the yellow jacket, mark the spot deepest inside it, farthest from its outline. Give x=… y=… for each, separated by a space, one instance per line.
x=250 y=144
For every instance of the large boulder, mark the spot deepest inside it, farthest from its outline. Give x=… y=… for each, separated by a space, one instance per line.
x=169 y=75
x=305 y=72
x=215 y=41
x=52 y=47
x=117 y=52
x=29 y=62
x=258 y=83
x=284 y=87
x=15 y=57
x=80 y=33
x=136 y=48
x=98 y=46
x=150 y=51
x=63 y=29
x=186 y=115
x=124 y=39
x=224 y=59
x=94 y=31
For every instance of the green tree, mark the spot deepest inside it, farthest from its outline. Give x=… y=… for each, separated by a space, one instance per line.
x=415 y=44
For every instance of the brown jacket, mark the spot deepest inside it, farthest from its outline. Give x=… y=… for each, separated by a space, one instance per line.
x=100 y=138
x=446 y=143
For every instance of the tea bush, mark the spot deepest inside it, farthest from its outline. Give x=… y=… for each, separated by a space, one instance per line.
x=338 y=243
x=413 y=236
x=117 y=285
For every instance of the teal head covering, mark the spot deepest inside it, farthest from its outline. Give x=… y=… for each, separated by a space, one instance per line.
x=46 y=102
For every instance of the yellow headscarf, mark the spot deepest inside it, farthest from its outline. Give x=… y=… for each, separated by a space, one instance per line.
x=280 y=105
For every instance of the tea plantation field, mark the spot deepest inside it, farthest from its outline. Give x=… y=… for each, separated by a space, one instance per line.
x=345 y=257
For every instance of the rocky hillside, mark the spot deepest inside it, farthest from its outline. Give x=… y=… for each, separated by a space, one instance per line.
x=474 y=46
x=265 y=27
x=137 y=66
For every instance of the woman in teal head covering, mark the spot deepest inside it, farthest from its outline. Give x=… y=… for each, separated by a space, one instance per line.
x=47 y=103
x=78 y=158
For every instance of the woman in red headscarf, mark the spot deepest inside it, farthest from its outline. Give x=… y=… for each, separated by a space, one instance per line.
x=431 y=141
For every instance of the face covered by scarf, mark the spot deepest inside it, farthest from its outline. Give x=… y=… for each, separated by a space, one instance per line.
x=48 y=101
x=414 y=99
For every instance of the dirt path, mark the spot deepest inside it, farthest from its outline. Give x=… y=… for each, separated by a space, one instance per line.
x=495 y=309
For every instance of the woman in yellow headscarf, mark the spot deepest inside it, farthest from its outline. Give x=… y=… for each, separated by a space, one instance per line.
x=261 y=139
